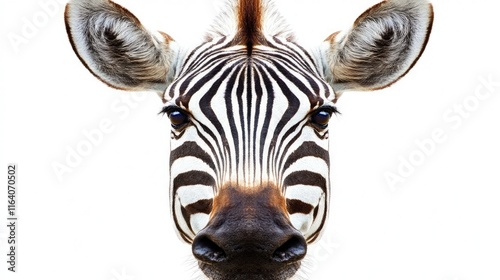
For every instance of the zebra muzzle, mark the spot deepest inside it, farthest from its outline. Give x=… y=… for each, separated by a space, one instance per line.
x=249 y=236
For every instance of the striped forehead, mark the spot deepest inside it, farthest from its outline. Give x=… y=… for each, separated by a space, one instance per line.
x=279 y=69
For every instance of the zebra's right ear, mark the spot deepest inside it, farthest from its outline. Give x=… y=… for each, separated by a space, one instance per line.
x=382 y=45
x=115 y=47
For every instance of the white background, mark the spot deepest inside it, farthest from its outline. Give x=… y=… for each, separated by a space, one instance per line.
x=108 y=219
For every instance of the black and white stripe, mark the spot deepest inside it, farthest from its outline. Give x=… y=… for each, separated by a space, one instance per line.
x=249 y=126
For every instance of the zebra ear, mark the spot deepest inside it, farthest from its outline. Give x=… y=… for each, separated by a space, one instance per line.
x=115 y=47
x=381 y=47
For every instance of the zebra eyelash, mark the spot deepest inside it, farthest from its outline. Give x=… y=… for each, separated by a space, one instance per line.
x=329 y=108
x=335 y=111
x=179 y=118
x=320 y=117
x=167 y=109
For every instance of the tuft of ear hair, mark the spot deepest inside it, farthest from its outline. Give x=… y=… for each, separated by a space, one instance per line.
x=381 y=47
x=114 y=46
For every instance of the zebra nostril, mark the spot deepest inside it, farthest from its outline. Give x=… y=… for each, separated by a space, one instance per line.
x=294 y=249
x=204 y=249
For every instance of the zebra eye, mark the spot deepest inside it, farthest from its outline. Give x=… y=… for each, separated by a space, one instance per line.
x=178 y=118
x=321 y=117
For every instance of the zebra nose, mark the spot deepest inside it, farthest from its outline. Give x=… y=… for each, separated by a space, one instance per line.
x=249 y=236
x=237 y=247
x=293 y=249
x=206 y=250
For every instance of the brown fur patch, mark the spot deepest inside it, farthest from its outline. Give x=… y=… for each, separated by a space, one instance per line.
x=249 y=24
x=331 y=38
x=249 y=200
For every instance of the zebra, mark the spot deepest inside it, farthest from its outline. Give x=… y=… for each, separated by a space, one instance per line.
x=249 y=109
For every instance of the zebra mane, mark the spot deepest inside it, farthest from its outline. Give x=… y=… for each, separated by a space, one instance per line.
x=248 y=22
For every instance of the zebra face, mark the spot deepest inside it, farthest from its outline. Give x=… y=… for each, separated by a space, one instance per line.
x=249 y=110
x=249 y=160
x=259 y=120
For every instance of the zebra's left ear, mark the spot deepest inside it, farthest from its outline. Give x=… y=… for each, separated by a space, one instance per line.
x=115 y=47
x=381 y=47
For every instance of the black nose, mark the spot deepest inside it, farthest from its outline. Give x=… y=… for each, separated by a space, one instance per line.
x=249 y=237
x=294 y=249
x=204 y=249
x=253 y=250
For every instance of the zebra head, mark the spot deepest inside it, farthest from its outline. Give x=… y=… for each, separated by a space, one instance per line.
x=249 y=109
